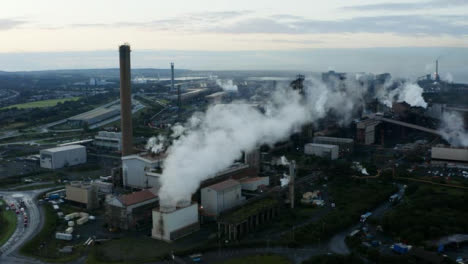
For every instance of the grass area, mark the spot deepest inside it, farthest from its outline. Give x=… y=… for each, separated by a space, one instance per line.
x=41 y=104
x=44 y=246
x=7 y=223
x=351 y=199
x=130 y=250
x=36 y=187
x=428 y=212
x=334 y=259
x=259 y=259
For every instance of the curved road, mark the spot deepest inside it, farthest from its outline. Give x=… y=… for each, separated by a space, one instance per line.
x=22 y=234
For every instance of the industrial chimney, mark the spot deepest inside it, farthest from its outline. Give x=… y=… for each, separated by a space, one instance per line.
x=172 y=76
x=125 y=101
x=292 y=175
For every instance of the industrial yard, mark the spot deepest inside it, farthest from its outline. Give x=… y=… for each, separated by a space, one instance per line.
x=337 y=152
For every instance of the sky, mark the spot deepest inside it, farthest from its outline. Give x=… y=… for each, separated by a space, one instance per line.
x=89 y=28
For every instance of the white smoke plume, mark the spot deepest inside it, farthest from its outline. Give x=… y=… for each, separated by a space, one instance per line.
x=453 y=129
x=285 y=180
x=227 y=85
x=211 y=141
x=449 y=77
x=410 y=93
x=156 y=144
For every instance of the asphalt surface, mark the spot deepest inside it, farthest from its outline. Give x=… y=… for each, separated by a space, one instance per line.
x=22 y=234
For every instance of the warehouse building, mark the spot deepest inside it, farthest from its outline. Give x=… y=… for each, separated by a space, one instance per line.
x=345 y=145
x=141 y=171
x=171 y=223
x=322 y=150
x=109 y=140
x=248 y=218
x=252 y=184
x=220 y=197
x=82 y=193
x=449 y=156
x=366 y=131
x=59 y=157
x=95 y=116
x=131 y=211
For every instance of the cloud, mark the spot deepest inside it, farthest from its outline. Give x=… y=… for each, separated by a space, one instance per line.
x=245 y=22
x=402 y=24
x=6 y=24
x=408 y=6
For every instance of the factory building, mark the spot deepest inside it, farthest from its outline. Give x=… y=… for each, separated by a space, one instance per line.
x=220 y=197
x=109 y=140
x=59 y=157
x=247 y=218
x=366 y=131
x=215 y=97
x=171 y=223
x=95 y=116
x=131 y=211
x=82 y=193
x=345 y=145
x=322 y=150
x=141 y=171
x=449 y=156
x=103 y=187
x=252 y=184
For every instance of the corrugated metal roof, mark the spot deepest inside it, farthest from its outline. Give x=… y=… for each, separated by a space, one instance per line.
x=252 y=179
x=137 y=197
x=64 y=148
x=224 y=185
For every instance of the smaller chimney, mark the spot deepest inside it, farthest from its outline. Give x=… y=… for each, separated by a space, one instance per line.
x=292 y=175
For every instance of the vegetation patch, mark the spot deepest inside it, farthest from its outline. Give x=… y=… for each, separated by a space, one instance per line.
x=7 y=223
x=259 y=259
x=44 y=246
x=43 y=103
x=428 y=212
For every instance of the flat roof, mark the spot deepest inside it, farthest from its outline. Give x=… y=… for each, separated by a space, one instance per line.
x=252 y=179
x=321 y=145
x=224 y=185
x=137 y=197
x=336 y=139
x=64 y=148
x=95 y=112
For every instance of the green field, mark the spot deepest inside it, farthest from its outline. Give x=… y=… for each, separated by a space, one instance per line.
x=7 y=223
x=259 y=259
x=43 y=103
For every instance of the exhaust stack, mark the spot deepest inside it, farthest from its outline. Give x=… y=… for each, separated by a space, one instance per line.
x=126 y=101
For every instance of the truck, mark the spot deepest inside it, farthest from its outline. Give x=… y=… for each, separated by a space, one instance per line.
x=63 y=236
x=365 y=216
x=54 y=196
x=394 y=198
x=400 y=248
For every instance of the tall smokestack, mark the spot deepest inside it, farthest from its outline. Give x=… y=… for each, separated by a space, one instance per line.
x=437 y=71
x=292 y=175
x=172 y=76
x=125 y=100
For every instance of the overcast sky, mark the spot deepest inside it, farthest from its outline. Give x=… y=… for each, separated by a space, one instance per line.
x=224 y=26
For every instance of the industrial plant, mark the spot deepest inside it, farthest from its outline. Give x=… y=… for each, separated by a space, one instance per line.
x=217 y=160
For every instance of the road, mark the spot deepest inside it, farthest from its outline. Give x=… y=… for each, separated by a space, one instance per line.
x=337 y=243
x=22 y=234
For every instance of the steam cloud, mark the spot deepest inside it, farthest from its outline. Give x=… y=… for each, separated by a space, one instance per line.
x=453 y=129
x=410 y=93
x=210 y=142
x=227 y=85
